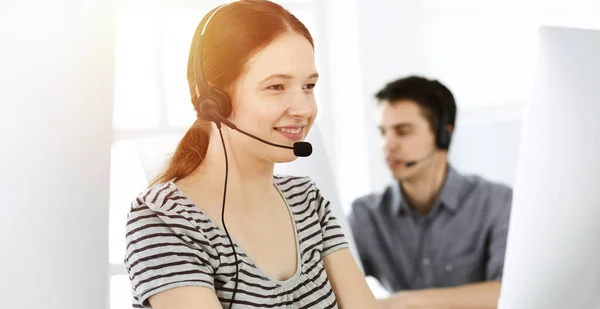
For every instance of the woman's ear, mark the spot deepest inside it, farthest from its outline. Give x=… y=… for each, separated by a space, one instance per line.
x=450 y=128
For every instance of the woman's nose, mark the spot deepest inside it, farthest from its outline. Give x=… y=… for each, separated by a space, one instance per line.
x=302 y=106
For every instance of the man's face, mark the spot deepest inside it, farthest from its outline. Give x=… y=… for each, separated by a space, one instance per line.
x=406 y=136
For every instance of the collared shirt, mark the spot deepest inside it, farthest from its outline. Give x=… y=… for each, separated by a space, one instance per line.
x=461 y=240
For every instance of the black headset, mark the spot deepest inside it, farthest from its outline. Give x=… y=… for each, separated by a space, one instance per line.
x=212 y=104
x=443 y=136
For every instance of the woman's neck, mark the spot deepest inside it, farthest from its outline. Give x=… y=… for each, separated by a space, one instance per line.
x=248 y=177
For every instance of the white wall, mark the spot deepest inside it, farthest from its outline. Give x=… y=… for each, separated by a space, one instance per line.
x=487 y=142
x=55 y=117
x=344 y=85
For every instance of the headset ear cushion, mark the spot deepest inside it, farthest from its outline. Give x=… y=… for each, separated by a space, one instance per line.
x=216 y=100
x=444 y=138
x=223 y=102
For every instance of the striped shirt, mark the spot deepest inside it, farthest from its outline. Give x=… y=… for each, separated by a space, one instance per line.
x=172 y=243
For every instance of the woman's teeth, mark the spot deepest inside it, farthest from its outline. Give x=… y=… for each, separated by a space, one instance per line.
x=290 y=130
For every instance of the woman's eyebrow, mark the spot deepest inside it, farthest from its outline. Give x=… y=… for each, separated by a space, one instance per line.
x=286 y=76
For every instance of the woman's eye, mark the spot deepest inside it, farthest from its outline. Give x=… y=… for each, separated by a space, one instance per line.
x=276 y=87
x=309 y=86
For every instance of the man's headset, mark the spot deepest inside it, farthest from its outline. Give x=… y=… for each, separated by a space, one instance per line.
x=214 y=105
x=443 y=135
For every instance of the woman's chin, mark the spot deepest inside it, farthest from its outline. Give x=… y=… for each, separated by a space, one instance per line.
x=284 y=158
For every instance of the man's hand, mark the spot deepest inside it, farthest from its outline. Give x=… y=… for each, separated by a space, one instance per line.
x=419 y=300
x=470 y=296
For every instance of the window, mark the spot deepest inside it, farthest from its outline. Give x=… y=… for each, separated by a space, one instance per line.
x=152 y=108
x=177 y=26
x=478 y=47
x=136 y=83
x=485 y=51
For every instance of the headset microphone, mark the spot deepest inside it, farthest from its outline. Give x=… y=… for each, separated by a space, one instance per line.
x=301 y=149
x=411 y=163
x=414 y=162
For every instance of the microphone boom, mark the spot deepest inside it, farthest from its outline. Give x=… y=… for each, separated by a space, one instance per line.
x=301 y=149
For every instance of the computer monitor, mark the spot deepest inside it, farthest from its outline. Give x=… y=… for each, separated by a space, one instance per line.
x=553 y=251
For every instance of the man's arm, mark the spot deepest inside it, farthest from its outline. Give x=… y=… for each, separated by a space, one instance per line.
x=358 y=222
x=483 y=295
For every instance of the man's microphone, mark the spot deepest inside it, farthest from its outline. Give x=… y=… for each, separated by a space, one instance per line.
x=414 y=162
x=301 y=149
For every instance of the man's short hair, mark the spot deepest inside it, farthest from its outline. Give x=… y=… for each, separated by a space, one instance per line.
x=432 y=97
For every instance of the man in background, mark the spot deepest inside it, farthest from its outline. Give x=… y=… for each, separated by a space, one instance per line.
x=434 y=237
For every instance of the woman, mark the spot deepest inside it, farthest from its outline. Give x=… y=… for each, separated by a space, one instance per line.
x=288 y=249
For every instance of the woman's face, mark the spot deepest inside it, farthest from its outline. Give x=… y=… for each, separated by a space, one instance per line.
x=274 y=98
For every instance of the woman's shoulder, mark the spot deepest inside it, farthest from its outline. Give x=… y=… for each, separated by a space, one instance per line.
x=167 y=243
x=294 y=183
x=162 y=210
x=302 y=195
x=162 y=214
x=162 y=197
x=313 y=213
x=301 y=190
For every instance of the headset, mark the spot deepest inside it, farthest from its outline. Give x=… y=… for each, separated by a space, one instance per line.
x=211 y=99
x=214 y=105
x=443 y=136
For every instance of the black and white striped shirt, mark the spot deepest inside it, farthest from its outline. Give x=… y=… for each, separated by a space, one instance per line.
x=172 y=243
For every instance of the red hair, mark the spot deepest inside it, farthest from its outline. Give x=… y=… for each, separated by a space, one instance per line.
x=235 y=33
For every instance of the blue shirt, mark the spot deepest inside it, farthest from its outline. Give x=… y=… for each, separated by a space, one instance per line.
x=461 y=240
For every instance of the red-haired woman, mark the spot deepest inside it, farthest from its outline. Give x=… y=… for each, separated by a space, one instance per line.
x=252 y=64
